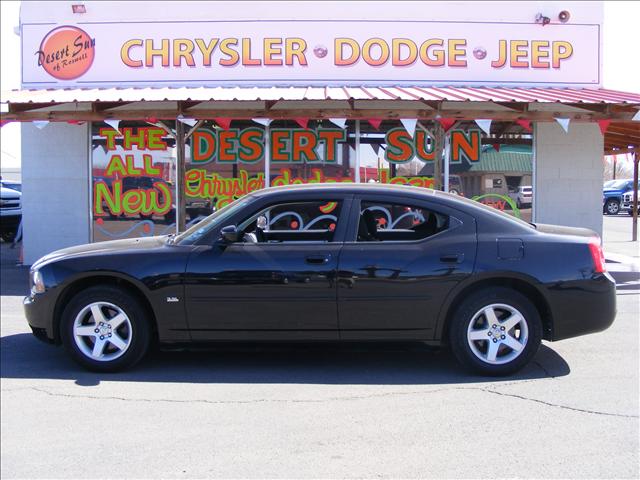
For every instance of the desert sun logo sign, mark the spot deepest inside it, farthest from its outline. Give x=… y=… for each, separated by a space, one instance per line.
x=66 y=52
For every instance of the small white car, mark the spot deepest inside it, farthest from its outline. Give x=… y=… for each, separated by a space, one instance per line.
x=523 y=196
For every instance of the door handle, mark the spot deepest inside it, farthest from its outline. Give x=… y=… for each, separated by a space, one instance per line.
x=318 y=259
x=452 y=258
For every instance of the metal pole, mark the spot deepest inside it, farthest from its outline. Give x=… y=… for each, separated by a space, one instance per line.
x=614 y=166
x=447 y=151
x=634 y=234
x=267 y=157
x=439 y=133
x=356 y=175
x=181 y=207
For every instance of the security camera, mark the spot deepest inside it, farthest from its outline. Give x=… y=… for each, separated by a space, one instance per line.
x=540 y=18
x=564 y=16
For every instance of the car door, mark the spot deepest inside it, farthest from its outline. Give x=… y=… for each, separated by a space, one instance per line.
x=400 y=259
x=280 y=284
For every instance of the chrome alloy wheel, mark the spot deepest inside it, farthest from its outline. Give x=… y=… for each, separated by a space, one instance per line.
x=102 y=331
x=497 y=334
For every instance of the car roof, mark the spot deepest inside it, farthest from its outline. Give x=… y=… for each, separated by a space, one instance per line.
x=348 y=187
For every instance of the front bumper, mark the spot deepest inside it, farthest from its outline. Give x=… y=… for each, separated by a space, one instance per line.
x=583 y=307
x=38 y=312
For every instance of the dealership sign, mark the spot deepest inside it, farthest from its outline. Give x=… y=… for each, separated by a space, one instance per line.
x=309 y=53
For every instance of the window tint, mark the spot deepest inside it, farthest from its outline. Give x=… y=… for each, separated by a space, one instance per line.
x=310 y=221
x=396 y=222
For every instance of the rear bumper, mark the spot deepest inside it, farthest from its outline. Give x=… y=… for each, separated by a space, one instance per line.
x=582 y=307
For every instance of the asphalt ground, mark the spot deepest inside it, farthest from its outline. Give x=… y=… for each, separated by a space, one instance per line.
x=321 y=411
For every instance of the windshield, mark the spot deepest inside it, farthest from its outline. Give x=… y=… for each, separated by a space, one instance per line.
x=618 y=184
x=216 y=219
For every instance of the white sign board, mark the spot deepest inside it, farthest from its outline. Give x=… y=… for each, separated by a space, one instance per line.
x=330 y=52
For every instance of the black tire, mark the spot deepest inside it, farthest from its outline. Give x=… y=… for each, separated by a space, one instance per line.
x=139 y=335
x=463 y=316
x=612 y=207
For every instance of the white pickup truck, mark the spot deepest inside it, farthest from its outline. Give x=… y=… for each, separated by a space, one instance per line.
x=10 y=213
x=627 y=202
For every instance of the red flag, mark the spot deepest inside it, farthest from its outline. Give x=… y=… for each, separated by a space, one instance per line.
x=224 y=123
x=496 y=147
x=447 y=123
x=603 y=124
x=4 y=122
x=526 y=124
x=152 y=119
x=303 y=122
x=375 y=122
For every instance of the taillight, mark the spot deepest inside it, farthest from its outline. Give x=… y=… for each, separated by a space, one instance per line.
x=597 y=255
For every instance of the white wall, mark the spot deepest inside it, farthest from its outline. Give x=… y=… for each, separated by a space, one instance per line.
x=568 y=175
x=55 y=192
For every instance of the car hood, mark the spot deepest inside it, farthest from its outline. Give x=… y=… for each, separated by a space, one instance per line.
x=611 y=191
x=562 y=230
x=113 y=246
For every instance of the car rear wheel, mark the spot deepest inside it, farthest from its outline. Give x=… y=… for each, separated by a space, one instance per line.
x=105 y=329
x=612 y=207
x=495 y=331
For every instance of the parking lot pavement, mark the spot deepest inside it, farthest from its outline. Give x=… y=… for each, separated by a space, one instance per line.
x=617 y=234
x=321 y=411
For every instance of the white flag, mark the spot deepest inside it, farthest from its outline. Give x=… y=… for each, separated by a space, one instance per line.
x=485 y=125
x=262 y=121
x=340 y=122
x=409 y=125
x=189 y=121
x=40 y=123
x=113 y=124
x=564 y=123
x=636 y=117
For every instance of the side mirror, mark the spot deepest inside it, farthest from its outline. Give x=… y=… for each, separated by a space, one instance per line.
x=229 y=234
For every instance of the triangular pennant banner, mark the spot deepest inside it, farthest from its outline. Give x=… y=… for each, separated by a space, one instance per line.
x=375 y=122
x=303 y=122
x=113 y=124
x=3 y=123
x=40 y=123
x=376 y=147
x=104 y=148
x=603 y=124
x=262 y=121
x=340 y=122
x=447 y=123
x=526 y=124
x=224 y=123
x=409 y=125
x=496 y=147
x=564 y=123
x=188 y=121
x=151 y=120
x=636 y=117
x=485 y=125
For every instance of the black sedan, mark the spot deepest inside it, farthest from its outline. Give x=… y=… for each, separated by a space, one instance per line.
x=330 y=263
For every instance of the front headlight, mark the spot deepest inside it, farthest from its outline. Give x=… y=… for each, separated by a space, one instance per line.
x=37 y=282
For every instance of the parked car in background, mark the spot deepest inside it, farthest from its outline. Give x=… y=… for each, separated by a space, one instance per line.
x=523 y=196
x=627 y=202
x=343 y=262
x=10 y=213
x=612 y=195
x=12 y=184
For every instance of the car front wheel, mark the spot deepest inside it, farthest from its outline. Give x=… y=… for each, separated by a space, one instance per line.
x=105 y=329
x=495 y=331
x=612 y=207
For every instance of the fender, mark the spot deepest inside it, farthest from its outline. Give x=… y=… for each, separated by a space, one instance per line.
x=484 y=278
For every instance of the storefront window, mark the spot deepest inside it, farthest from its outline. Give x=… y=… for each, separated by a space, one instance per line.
x=134 y=168
x=133 y=181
